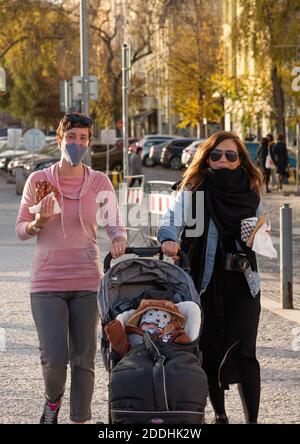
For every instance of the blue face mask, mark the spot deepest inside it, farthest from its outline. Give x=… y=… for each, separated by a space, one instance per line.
x=74 y=153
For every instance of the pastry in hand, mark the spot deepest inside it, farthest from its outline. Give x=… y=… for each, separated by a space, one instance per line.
x=42 y=189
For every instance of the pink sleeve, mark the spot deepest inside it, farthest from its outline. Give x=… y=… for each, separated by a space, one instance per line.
x=24 y=215
x=113 y=222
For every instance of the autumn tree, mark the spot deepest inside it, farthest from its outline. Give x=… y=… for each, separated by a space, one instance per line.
x=194 y=58
x=36 y=48
x=107 y=26
x=270 y=30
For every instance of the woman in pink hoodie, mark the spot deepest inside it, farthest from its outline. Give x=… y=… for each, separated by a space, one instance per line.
x=65 y=273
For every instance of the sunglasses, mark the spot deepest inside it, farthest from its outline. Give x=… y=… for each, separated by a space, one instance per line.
x=230 y=155
x=84 y=120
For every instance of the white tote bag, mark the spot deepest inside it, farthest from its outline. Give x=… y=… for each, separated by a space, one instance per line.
x=270 y=165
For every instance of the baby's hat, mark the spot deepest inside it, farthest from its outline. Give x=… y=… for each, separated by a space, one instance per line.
x=154 y=308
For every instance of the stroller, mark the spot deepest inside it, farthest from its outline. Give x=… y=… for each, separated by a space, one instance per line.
x=155 y=382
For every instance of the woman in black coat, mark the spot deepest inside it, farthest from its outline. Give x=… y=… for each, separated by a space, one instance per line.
x=261 y=159
x=281 y=159
x=223 y=268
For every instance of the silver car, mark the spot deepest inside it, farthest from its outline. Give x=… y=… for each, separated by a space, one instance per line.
x=189 y=152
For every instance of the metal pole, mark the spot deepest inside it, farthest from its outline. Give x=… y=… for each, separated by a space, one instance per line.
x=297 y=159
x=286 y=257
x=84 y=56
x=84 y=65
x=107 y=159
x=67 y=96
x=125 y=70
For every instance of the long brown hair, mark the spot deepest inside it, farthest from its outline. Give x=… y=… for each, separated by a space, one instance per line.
x=197 y=170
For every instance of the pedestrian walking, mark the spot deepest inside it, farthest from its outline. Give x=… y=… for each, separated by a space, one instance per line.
x=66 y=273
x=223 y=268
x=261 y=159
x=136 y=166
x=281 y=158
x=270 y=161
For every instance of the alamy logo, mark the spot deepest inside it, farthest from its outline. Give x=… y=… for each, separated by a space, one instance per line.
x=296 y=80
x=296 y=340
x=138 y=209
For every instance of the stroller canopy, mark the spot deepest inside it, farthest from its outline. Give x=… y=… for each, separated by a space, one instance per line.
x=129 y=281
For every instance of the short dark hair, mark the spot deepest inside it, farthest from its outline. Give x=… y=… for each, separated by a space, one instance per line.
x=73 y=120
x=280 y=136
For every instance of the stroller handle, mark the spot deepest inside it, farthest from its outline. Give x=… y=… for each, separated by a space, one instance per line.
x=149 y=252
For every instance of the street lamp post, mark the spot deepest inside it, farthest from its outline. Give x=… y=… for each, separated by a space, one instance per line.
x=125 y=91
x=297 y=160
x=84 y=65
x=84 y=56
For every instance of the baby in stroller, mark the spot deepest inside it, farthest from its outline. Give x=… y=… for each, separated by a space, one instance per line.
x=151 y=323
x=161 y=319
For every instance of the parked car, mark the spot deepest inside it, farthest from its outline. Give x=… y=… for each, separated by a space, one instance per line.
x=155 y=152
x=3 y=132
x=189 y=152
x=48 y=152
x=98 y=154
x=3 y=144
x=7 y=155
x=131 y=141
x=50 y=149
x=172 y=152
x=39 y=163
x=252 y=148
x=292 y=153
x=149 y=140
x=31 y=166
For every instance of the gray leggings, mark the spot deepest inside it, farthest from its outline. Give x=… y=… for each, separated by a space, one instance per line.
x=66 y=323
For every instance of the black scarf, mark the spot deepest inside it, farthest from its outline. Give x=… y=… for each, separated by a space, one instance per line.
x=229 y=199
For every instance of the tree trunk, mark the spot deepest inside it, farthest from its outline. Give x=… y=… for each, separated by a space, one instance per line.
x=278 y=98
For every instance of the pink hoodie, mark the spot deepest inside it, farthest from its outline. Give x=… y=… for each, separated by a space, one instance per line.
x=67 y=256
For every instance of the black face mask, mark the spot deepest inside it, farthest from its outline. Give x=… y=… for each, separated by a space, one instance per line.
x=229 y=199
x=225 y=179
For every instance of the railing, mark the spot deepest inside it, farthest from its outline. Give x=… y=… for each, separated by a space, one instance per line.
x=142 y=208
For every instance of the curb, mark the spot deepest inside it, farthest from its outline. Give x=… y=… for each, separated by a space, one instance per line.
x=292 y=315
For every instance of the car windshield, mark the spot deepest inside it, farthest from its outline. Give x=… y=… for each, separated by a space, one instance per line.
x=160 y=145
x=154 y=142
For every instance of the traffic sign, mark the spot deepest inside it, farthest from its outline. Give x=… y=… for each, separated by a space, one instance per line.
x=77 y=87
x=34 y=139
x=108 y=136
x=14 y=137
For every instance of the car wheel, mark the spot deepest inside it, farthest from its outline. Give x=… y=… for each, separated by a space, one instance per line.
x=118 y=166
x=175 y=163
x=148 y=162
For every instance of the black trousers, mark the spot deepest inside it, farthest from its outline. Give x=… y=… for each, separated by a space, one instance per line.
x=228 y=339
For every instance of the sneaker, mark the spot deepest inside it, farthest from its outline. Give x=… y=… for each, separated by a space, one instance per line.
x=221 y=419
x=50 y=413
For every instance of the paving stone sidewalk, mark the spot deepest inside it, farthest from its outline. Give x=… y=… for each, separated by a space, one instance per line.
x=270 y=268
x=21 y=385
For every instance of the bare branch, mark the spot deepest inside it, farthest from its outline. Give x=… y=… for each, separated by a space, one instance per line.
x=24 y=38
